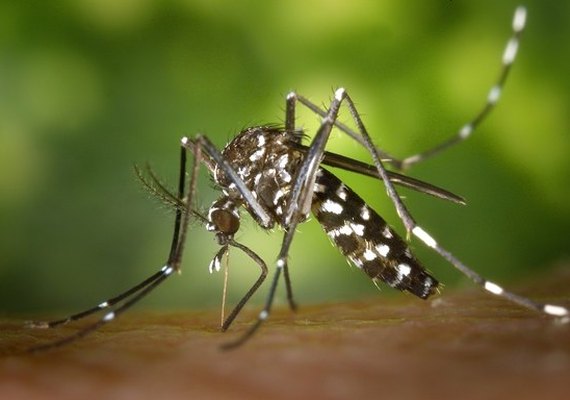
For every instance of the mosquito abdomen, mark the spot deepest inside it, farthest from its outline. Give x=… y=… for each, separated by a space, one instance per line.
x=366 y=239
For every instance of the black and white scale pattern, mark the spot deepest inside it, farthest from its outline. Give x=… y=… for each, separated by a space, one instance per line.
x=264 y=158
x=366 y=239
x=266 y=161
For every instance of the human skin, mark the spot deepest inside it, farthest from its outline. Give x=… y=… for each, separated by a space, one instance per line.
x=463 y=344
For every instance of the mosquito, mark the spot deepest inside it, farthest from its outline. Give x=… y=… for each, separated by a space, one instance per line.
x=279 y=181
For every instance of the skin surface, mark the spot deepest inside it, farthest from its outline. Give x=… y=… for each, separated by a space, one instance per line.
x=466 y=345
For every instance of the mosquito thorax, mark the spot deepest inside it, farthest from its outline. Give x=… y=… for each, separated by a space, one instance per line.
x=265 y=160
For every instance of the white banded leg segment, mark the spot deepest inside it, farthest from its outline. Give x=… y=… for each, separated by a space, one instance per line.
x=510 y=51
x=557 y=311
x=466 y=131
x=508 y=58
x=163 y=272
x=554 y=310
x=494 y=95
x=339 y=94
x=167 y=270
x=424 y=237
x=519 y=20
x=109 y=317
x=493 y=288
x=103 y=305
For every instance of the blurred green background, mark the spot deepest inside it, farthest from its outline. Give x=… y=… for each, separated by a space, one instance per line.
x=88 y=88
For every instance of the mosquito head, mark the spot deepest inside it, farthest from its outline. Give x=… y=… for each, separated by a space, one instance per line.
x=224 y=219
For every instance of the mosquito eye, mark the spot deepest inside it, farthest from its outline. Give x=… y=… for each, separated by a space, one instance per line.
x=224 y=221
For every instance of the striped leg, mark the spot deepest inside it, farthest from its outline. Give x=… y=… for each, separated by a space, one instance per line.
x=550 y=309
x=465 y=131
x=413 y=228
x=119 y=304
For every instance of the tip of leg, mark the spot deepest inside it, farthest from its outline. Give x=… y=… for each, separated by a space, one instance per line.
x=293 y=306
x=557 y=311
x=229 y=346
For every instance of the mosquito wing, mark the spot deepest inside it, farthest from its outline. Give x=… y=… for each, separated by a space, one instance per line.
x=350 y=164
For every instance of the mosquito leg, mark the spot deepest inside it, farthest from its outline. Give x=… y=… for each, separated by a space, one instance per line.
x=135 y=294
x=550 y=309
x=263 y=315
x=466 y=130
x=302 y=192
x=237 y=309
x=290 y=127
x=401 y=208
x=289 y=288
x=290 y=106
x=110 y=316
x=290 y=101
x=344 y=128
x=183 y=217
x=104 y=305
